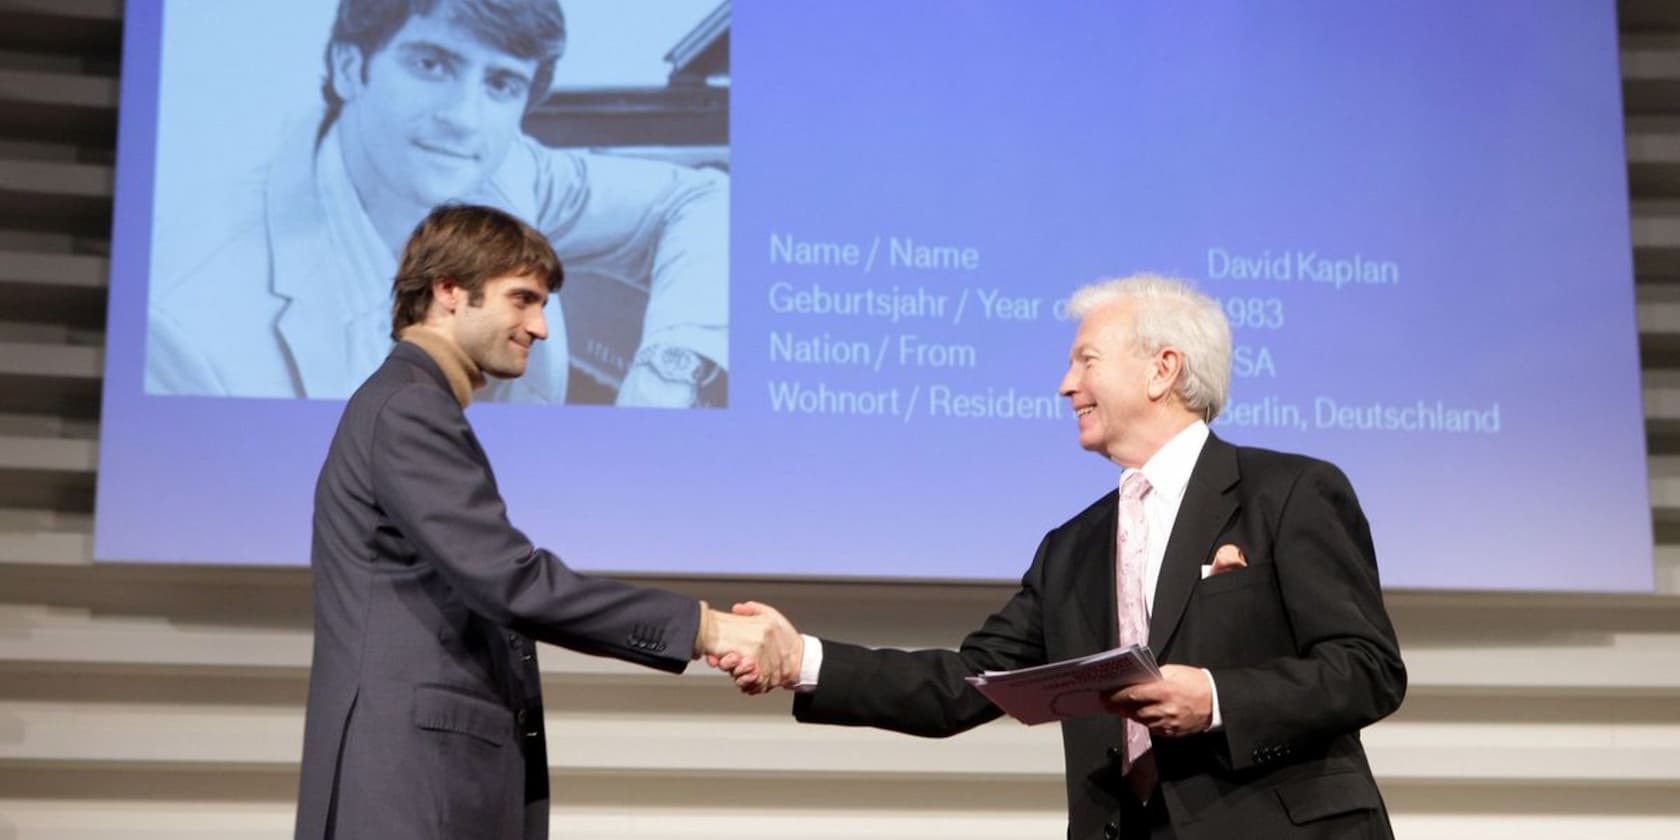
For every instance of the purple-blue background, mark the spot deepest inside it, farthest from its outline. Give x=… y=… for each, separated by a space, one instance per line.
x=1478 y=148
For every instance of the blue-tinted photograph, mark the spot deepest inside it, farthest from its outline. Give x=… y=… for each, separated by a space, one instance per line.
x=292 y=166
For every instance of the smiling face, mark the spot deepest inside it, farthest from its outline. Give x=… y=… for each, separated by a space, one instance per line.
x=497 y=331
x=432 y=114
x=1108 y=385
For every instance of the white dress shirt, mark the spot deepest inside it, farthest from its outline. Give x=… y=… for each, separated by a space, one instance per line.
x=1168 y=471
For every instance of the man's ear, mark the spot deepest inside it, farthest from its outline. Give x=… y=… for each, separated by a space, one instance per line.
x=1164 y=370
x=347 y=67
x=446 y=294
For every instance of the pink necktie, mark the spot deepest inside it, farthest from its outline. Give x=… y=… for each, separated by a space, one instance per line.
x=1131 y=608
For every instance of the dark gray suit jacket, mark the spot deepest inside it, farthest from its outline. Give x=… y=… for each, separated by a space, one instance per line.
x=1299 y=644
x=425 y=710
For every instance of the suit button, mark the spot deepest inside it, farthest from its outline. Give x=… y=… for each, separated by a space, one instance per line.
x=519 y=718
x=1115 y=756
x=1111 y=831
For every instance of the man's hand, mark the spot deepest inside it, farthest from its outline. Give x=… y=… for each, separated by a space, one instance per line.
x=1179 y=703
x=750 y=676
x=749 y=643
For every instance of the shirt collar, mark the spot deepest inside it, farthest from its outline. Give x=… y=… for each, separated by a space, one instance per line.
x=1168 y=470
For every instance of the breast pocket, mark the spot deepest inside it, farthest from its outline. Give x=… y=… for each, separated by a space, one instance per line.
x=1234 y=619
x=1236 y=580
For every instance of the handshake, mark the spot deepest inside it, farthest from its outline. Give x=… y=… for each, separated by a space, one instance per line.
x=753 y=643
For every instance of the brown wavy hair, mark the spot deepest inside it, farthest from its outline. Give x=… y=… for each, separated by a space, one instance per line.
x=528 y=29
x=467 y=244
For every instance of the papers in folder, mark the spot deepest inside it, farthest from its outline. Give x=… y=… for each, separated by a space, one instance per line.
x=1068 y=689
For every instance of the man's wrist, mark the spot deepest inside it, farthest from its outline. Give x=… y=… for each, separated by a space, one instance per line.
x=1215 y=722
x=810 y=663
x=671 y=375
x=678 y=364
x=705 y=631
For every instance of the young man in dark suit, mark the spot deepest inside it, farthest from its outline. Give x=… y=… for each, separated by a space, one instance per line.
x=1250 y=573
x=425 y=714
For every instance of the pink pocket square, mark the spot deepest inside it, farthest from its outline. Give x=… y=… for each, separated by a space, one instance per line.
x=1227 y=558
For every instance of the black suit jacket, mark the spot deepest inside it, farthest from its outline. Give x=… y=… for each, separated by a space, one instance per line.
x=425 y=710
x=1299 y=643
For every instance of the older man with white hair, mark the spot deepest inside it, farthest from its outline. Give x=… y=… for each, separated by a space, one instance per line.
x=1250 y=573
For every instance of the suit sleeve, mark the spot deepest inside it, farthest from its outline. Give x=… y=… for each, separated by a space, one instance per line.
x=923 y=692
x=432 y=482
x=1348 y=672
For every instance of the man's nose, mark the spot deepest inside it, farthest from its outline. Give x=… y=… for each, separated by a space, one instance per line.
x=537 y=326
x=1067 y=387
x=461 y=107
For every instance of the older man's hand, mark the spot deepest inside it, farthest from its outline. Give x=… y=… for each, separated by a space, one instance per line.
x=1179 y=703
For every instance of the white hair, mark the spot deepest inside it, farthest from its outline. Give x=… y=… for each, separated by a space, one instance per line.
x=1170 y=313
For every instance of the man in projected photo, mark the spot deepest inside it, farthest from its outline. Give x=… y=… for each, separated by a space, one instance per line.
x=424 y=102
x=425 y=714
x=1250 y=574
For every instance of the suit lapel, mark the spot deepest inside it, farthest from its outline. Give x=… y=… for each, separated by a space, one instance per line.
x=335 y=322
x=1208 y=505
x=303 y=273
x=1094 y=583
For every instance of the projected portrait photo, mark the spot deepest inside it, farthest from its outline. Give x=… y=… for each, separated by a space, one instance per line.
x=300 y=141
